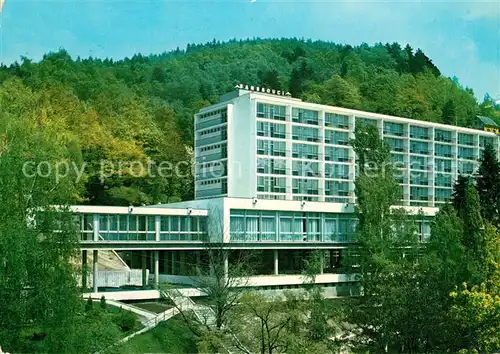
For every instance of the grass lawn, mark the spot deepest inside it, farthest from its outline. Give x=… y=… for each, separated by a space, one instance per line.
x=155 y=307
x=172 y=336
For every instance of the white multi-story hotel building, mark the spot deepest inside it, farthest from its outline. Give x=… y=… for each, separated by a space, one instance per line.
x=277 y=176
x=265 y=146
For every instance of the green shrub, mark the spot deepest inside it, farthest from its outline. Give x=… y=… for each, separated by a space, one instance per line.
x=126 y=320
x=89 y=304
x=102 y=303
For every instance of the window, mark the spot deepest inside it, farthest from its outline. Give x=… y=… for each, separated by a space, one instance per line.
x=399 y=160
x=419 y=147
x=334 y=188
x=336 y=137
x=442 y=135
x=304 y=116
x=443 y=150
x=335 y=120
x=465 y=139
x=336 y=154
x=305 y=168
x=305 y=151
x=366 y=121
x=419 y=193
x=272 y=130
x=305 y=133
x=417 y=132
x=466 y=153
x=419 y=178
x=443 y=195
x=443 y=180
x=466 y=168
x=271 y=166
x=391 y=128
x=305 y=186
x=271 y=111
x=397 y=145
x=211 y=136
x=271 y=147
x=271 y=184
x=486 y=140
x=418 y=162
x=209 y=119
x=443 y=165
x=337 y=171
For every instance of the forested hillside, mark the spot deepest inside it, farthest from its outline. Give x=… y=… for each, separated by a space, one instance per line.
x=141 y=109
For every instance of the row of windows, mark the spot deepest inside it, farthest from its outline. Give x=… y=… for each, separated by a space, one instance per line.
x=278 y=148
x=340 y=121
x=214 y=181
x=213 y=113
x=275 y=130
x=247 y=225
x=213 y=130
x=123 y=223
x=213 y=147
x=418 y=147
x=209 y=119
x=213 y=164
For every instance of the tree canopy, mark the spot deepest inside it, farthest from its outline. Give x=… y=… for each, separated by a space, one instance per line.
x=140 y=109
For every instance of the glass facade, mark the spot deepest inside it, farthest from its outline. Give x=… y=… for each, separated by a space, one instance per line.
x=287 y=226
x=283 y=226
x=125 y=227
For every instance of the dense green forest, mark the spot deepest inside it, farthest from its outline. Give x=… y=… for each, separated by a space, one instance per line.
x=141 y=108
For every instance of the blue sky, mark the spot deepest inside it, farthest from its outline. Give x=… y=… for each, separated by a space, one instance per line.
x=462 y=38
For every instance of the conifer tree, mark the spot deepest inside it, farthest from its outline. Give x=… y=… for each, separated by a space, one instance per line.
x=488 y=185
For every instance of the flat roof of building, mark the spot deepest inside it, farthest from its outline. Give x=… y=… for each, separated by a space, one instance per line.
x=276 y=99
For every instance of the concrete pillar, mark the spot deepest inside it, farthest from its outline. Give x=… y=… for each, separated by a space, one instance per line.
x=144 y=272
x=157 y=268
x=94 y=270
x=276 y=262
x=226 y=267
x=84 y=269
x=157 y=227
x=95 y=227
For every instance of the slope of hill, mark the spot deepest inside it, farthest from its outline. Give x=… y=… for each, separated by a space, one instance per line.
x=141 y=108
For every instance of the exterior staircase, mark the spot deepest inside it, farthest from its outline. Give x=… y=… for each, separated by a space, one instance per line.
x=205 y=315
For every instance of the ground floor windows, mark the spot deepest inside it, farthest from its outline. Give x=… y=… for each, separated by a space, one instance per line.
x=255 y=226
